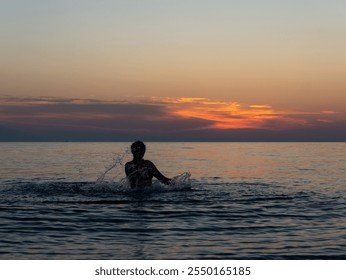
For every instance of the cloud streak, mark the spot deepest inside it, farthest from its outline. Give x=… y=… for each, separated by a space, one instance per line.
x=158 y=118
x=234 y=115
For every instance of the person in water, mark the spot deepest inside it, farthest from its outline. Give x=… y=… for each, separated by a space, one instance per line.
x=139 y=171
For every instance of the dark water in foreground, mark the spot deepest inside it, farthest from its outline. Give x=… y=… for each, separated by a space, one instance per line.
x=243 y=201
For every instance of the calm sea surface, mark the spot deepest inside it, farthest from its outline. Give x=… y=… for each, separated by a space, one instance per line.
x=242 y=201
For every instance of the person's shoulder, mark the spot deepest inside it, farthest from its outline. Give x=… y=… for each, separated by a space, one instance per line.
x=129 y=163
x=149 y=163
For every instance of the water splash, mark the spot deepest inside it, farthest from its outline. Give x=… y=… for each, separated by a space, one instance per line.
x=118 y=161
x=182 y=180
x=179 y=181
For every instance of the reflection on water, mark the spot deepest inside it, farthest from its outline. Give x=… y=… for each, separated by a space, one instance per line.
x=243 y=201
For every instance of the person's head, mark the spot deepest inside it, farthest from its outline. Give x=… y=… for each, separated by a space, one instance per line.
x=138 y=149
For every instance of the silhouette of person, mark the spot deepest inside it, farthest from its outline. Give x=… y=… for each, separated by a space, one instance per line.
x=140 y=171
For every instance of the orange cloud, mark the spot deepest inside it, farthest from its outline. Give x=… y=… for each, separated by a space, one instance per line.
x=185 y=114
x=234 y=115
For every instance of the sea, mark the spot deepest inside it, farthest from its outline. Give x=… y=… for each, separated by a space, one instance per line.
x=238 y=201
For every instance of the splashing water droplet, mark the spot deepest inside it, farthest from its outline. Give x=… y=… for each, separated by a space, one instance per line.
x=118 y=162
x=181 y=180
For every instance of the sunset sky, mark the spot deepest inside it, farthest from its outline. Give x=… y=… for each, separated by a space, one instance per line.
x=220 y=70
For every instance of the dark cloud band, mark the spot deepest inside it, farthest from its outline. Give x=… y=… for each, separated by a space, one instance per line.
x=54 y=119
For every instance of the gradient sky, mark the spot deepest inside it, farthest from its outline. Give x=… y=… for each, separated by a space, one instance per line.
x=189 y=67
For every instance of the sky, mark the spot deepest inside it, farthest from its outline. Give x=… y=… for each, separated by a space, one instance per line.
x=179 y=70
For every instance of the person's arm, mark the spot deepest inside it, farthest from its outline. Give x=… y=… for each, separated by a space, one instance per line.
x=158 y=175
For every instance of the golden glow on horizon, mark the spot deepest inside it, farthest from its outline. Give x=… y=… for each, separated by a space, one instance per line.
x=233 y=115
x=209 y=113
x=224 y=115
